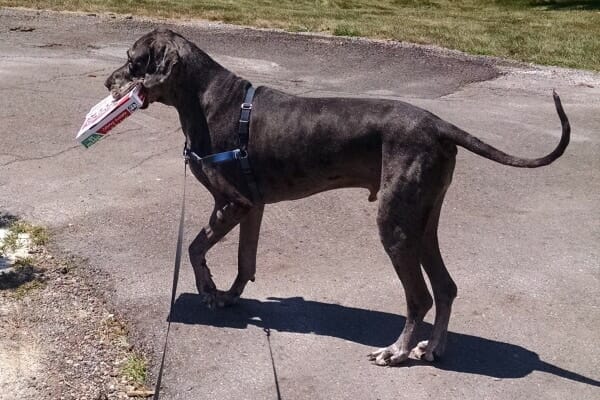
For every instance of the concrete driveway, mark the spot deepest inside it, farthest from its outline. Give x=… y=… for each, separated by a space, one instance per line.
x=522 y=245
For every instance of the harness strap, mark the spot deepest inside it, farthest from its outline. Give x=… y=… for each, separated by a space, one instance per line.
x=241 y=153
x=217 y=158
x=244 y=137
x=244 y=127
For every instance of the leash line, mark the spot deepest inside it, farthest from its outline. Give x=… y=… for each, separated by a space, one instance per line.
x=268 y=333
x=176 y=269
x=174 y=287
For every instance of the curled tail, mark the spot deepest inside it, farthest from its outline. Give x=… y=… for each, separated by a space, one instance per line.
x=471 y=143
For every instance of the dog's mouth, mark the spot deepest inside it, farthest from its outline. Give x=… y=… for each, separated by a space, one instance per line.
x=119 y=92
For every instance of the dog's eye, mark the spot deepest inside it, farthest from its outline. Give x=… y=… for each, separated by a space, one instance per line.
x=133 y=68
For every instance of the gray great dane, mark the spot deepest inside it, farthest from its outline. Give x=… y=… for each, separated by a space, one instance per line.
x=300 y=146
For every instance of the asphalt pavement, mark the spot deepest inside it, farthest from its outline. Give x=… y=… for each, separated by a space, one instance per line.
x=522 y=245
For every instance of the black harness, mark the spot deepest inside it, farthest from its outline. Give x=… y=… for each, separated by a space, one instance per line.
x=240 y=154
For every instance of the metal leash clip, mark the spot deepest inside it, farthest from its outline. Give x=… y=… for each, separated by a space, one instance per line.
x=186 y=153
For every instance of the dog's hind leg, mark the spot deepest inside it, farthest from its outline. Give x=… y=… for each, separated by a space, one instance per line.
x=401 y=225
x=223 y=219
x=444 y=288
x=249 y=233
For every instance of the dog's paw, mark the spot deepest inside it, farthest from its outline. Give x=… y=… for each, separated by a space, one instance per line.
x=209 y=299
x=218 y=299
x=224 y=299
x=388 y=356
x=423 y=351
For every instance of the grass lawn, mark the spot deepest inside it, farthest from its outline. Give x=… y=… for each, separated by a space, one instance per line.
x=555 y=32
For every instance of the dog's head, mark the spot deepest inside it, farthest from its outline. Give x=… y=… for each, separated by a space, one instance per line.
x=153 y=61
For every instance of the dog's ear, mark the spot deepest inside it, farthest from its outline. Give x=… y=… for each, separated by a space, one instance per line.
x=165 y=60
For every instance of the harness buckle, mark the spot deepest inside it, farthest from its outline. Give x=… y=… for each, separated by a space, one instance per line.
x=241 y=153
x=246 y=106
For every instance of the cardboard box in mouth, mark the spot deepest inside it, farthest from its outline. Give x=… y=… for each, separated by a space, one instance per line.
x=107 y=114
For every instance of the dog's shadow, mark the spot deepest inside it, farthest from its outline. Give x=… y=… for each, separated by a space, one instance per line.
x=465 y=353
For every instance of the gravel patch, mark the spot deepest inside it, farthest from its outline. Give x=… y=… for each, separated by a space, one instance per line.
x=59 y=338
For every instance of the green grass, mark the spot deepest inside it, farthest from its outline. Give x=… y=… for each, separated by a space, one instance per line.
x=25 y=276
x=37 y=234
x=135 y=369
x=556 y=32
x=346 y=30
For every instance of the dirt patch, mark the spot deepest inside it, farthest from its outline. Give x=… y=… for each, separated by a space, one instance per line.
x=20 y=361
x=59 y=338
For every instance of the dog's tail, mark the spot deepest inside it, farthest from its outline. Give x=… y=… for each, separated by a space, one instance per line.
x=471 y=143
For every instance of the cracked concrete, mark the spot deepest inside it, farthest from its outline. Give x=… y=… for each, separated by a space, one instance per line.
x=18 y=159
x=521 y=245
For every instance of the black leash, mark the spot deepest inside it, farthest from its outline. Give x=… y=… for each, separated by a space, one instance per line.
x=174 y=288
x=268 y=333
x=240 y=154
x=176 y=269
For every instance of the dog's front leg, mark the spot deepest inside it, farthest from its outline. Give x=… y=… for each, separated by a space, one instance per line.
x=223 y=219
x=249 y=233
